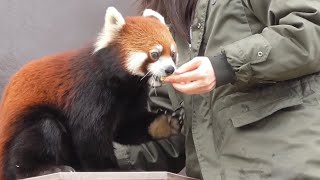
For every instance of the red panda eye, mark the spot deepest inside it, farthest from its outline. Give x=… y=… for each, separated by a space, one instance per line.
x=173 y=56
x=155 y=55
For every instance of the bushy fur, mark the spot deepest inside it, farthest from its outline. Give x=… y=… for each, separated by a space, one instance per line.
x=63 y=112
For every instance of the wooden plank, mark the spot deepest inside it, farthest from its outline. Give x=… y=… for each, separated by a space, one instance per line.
x=159 y=175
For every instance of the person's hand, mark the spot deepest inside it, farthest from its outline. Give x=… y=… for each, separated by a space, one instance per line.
x=195 y=77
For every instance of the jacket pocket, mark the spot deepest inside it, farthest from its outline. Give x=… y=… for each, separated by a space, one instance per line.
x=263 y=111
x=246 y=108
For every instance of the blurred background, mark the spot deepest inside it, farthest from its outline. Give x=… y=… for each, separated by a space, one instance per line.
x=34 y=28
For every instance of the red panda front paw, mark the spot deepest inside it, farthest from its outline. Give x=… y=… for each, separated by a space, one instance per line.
x=164 y=126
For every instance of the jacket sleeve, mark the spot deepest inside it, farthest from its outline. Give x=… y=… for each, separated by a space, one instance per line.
x=287 y=48
x=162 y=155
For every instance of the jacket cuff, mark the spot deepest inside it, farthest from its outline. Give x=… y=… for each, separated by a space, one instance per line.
x=223 y=71
x=245 y=53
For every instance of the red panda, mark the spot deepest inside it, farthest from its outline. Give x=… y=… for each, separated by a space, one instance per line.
x=62 y=112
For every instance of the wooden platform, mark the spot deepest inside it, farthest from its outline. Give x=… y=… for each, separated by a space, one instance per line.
x=112 y=176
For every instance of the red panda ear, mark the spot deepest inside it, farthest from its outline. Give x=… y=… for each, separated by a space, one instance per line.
x=113 y=22
x=152 y=13
x=113 y=18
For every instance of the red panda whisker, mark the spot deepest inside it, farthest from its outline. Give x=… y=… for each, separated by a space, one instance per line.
x=145 y=75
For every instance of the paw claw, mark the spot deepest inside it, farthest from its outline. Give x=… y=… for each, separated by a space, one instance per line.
x=164 y=126
x=175 y=125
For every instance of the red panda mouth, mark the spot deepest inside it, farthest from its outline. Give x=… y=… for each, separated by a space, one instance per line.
x=154 y=81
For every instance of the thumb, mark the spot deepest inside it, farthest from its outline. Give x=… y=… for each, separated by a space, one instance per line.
x=189 y=66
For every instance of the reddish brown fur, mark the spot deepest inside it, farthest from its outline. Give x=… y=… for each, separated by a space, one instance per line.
x=27 y=88
x=141 y=34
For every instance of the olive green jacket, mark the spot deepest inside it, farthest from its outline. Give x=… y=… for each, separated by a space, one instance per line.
x=265 y=124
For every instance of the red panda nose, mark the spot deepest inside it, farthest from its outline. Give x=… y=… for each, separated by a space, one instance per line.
x=169 y=70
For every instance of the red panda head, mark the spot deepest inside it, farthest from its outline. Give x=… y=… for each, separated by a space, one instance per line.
x=145 y=42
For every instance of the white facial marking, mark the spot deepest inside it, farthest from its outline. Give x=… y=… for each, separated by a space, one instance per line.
x=135 y=61
x=172 y=47
x=159 y=48
x=113 y=23
x=177 y=58
x=158 y=68
x=152 y=13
